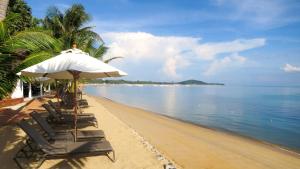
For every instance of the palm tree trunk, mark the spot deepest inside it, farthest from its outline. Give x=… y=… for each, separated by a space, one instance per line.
x=3 y=7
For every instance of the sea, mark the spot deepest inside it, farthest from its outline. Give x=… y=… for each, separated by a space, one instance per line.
x=266 y=113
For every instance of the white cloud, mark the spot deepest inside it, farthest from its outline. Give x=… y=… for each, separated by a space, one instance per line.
x=174 y=63
x=144 y=46
x=176 y=52
x=210 y=50
x=290 y=68
x=228 y=61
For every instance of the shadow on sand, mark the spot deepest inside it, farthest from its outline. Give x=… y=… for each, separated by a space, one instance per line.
x=70 y=164
x=13 y=139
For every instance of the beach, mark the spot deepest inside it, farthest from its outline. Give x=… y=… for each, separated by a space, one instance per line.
x=143 y=139
x=176 y=84
x=192 y=146
x=132 y=152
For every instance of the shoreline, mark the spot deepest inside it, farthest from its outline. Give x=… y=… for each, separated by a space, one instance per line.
x=262 y=146
x=224 y=131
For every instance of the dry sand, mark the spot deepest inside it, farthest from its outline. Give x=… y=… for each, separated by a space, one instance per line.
x=195 y=147
x=132 y=152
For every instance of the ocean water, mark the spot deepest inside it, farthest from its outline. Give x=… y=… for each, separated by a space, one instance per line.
x=269 y=114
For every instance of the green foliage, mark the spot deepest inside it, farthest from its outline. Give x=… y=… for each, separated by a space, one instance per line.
x=25 y=40
x=7 y=78
x=97 y=52
x=31 y=41
x=18 y=16
x=69 y=27
x=33 y=59
x=36 y=22
x=34 y=45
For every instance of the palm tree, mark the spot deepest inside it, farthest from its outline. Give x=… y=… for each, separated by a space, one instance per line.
x=21 y=50
x=18 y=16
x=3 y=7
x=69 y=27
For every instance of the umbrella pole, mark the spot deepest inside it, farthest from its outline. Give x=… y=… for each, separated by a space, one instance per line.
x=57 y=97
x=75 y=109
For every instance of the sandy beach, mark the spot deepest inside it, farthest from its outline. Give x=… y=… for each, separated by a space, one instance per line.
x=191 y=146
x=132 y=152
x=143 y=139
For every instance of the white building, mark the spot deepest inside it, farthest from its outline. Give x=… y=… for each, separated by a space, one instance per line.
x=26 y=89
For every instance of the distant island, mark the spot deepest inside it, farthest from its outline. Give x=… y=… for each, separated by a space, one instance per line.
x=186 y=82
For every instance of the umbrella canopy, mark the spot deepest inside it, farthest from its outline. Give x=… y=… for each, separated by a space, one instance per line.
x=69 y=61
x=44 y=80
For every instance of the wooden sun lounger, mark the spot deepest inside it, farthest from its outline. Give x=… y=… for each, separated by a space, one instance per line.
x=67 y=100
x=66 y=135
x=58 y=110
x=68 y=119
x=43 y=150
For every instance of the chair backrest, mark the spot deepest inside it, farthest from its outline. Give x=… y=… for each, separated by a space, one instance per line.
x=51 y=111
x=33 y=134
x=54 y=107
x=43 y=124
x=51 y=103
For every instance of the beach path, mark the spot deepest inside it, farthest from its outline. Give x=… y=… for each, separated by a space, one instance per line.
x=195 y=147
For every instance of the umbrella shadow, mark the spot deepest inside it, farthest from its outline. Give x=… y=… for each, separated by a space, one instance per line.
x=70 y=163
x=11 y=141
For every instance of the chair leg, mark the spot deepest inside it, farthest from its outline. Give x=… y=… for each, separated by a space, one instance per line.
x=96 y=123
x=41 y=163
x=28 y=152
x=113 y=159
x=17 y=162
x=21 y=154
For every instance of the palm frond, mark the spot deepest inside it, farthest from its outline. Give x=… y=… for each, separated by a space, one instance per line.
x=100 y=51
x=7 y=84
x=33 y=41
x=75 y=17
x=113 y=58
x=33 y=59
x=54 y=21
x=7 y=77
x=3 y=32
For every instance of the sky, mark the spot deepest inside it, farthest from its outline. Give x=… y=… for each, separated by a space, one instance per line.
x=249 y=42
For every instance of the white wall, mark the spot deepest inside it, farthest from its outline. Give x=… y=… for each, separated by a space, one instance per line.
x=18 y=92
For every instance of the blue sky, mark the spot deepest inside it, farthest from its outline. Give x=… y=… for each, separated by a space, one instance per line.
x=230 y=41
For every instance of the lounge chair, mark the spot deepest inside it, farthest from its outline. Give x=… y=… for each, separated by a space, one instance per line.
x=58 y=110
x=68 y=100
x=43 y=150
x=66 y=135
x=68 y=119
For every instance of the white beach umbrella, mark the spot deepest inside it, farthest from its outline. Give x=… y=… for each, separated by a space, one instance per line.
x=72 y=64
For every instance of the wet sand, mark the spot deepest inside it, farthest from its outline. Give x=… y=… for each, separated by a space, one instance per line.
x=192 y=146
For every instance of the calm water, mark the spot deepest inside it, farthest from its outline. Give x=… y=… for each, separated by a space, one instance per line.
x=266 y=113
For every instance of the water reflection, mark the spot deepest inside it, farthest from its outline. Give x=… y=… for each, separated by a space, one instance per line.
x=170 y=100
